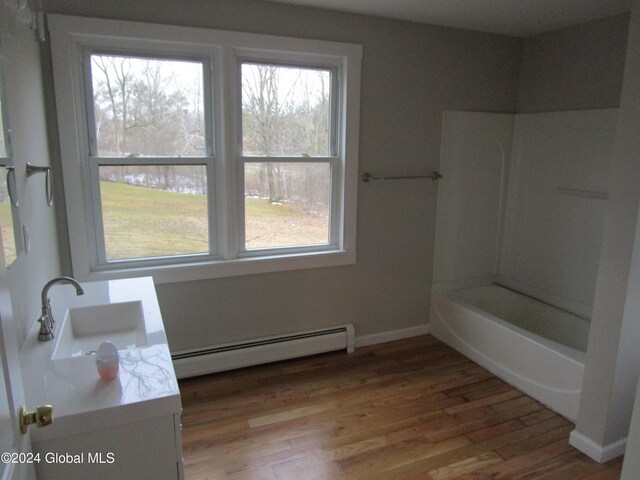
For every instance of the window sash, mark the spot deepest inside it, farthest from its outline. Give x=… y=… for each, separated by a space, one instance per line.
x=97 y=234
x=334 y=206
x=207 y=85
x=334 y=110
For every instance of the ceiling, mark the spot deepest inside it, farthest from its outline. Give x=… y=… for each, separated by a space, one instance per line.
x=520 y=18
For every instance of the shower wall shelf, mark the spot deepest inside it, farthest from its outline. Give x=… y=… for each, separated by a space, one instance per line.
x=48 y=180
x=576 y=192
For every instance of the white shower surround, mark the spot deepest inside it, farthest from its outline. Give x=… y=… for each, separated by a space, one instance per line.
x=506 y=179
x=542 y=367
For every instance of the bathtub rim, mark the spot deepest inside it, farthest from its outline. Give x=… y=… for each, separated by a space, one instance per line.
x=564 y=350
x=560 y=394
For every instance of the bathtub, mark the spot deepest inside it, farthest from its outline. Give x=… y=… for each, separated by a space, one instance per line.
x=535 y=347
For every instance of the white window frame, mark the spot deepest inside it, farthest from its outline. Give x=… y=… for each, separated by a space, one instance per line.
x=6 y=162
x=72 y=41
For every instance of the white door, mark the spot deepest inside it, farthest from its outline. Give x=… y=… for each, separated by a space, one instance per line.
x=15 y=448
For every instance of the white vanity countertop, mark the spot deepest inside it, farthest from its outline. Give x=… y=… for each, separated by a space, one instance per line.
x=146 y=386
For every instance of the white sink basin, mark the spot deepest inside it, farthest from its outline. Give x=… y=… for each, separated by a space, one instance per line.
x=83 y=329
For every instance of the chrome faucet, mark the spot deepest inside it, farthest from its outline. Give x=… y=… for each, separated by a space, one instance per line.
x=46 y=320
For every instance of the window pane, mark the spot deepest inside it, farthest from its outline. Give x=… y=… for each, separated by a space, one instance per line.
x=145 y=106
x=154 y=210
x=285 y=111
x=286 y=204
x=6 y=220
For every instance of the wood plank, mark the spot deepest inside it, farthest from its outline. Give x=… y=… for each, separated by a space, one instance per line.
x=568 y=466
x=443 y=432
x=315 y=460
x=418 y=468
x=471 y=464
x=528 y=462
x=533 y=443
x=495 y=430
x=395 y=455
x=484 y=401
x=491 y=382
x=613 y=472
x=288 y=415
x=486 y=392
x=538 y=416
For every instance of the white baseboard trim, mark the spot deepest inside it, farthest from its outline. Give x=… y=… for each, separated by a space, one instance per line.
x=391 y=335
x=600 y=453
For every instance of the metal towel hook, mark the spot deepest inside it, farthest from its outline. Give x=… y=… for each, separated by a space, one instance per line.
x=11 y=181
x=48 y=181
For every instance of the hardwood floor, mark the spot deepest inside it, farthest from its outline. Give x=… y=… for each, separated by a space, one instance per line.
x=406 y=410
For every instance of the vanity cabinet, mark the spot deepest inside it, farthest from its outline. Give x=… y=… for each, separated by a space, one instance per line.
x=124 y=428
x=146 y=449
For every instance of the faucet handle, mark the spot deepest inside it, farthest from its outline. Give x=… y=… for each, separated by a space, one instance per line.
x=45 y=332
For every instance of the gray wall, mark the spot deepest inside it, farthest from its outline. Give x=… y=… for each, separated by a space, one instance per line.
x=410 y=74
x=26 y=112
x=613 y=358
x=575 y=68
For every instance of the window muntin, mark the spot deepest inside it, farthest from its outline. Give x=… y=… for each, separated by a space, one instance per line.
x=146 y=106
x=286 y=204
x=153 y=211
x=286 y=110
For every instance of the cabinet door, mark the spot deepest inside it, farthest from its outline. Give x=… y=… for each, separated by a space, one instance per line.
x=12 y=442
x=145 y=449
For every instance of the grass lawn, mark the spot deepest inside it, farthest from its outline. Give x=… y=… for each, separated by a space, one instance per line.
x=144 y=222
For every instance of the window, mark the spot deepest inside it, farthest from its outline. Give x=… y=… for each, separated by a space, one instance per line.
x=192 y=153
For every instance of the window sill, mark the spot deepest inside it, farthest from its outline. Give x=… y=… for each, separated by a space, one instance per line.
x=187 y=272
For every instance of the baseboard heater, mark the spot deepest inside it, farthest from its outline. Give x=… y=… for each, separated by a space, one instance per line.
x=191 y=363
